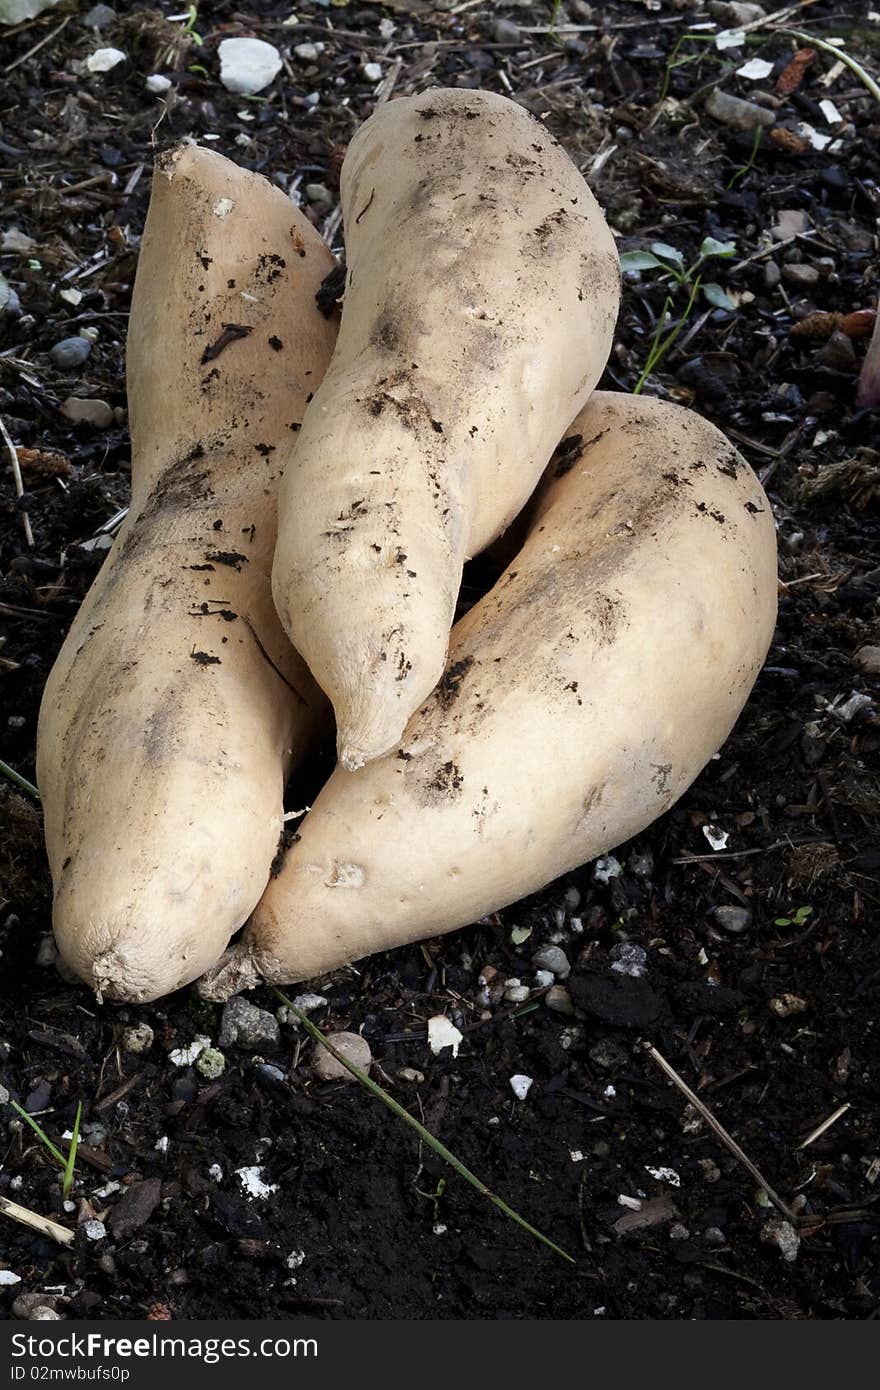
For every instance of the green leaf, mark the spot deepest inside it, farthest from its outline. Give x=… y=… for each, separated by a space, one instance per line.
x=716 y=296
x=640 y=260
x=667 y=253
x=712 y=247
x=782 y=922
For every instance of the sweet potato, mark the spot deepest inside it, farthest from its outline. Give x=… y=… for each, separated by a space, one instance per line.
x=482 y=291
x=583 y=694
x=176 y=704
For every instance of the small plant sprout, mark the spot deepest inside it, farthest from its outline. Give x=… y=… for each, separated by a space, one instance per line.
x=797 y=918
x=65 y=1162
x=658 y=255
x=189 y=27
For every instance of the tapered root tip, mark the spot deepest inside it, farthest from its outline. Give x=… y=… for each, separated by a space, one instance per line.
x=235 y=971
x=354 y=749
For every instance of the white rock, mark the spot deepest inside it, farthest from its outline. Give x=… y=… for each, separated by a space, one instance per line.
x=830 y=112
x=664 y=1175
x=95 y=1230
x=716 y=836
x=295 y=1259
x=632 y=1203
x=521 y=1085
x=185 y=1056
x=576 y=1155
x=308 y=52
x=161 y=1144
x=755 y=69
x=8 y=1278
x=372 y=72
x=251 y=1180
x=351 y=1046
x=307 y=1003
x=158 y=83
x=544 y=978
x=248 y=65
x=104 y=59
x=442 y=1033
x=215 y=1172
x=851 y=707
x=606 y=868
x=783 y=1235
x=729 y=38
x=14 y=11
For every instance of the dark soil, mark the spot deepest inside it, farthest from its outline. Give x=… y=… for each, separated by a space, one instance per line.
x=775 y=1026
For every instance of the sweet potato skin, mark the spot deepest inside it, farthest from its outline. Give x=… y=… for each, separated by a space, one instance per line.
x=482 y=291
x=176 y=705
x=583 y=695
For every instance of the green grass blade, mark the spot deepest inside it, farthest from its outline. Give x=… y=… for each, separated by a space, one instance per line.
x=425 y=1135
x=67 y=1184
x=19 y=781
x=41 y=1134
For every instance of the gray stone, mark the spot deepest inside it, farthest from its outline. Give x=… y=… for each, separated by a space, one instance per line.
x=269 y=1072
x=802 y=276
x=734 y=13
x=212 y=1063
x=244 y=1025
x=372 y=72
x=307 y=52
x=4 y=1096
x=70 y=353
x=868 y=660
x=554 y=959
x=351 y=1046
x=783 y=1235
x=641 y=863
x=627 y=959
x=505 y=31
x=732 y=919
x=559 y=1000
x=736 y=113
x=99 y=17
x=88 y=412
x=772 y=275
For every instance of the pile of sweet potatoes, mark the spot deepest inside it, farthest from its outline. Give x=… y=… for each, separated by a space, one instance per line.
x=303 y=504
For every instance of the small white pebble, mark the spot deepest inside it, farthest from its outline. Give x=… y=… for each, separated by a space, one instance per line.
x=633 y=1203
x=679 y=1232
x=411 y=1074
x=7 y=1277
x=521 y=1085
x=308 y=52
x=69 y=1206
x=607 y=868
x=103 y=59
x=161 y=1144
x=251 y=1180
x=442 y=1033
x=755 y=69
x=439 y=1228
x=215 y=1172
x=185 y=1056
x=609 y=1092
x=664 y=1175
x=295 y=1259
x=372 y=72
x=95 y=1230
x=158 y=83
x=576 y=1155
x=544 y=978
